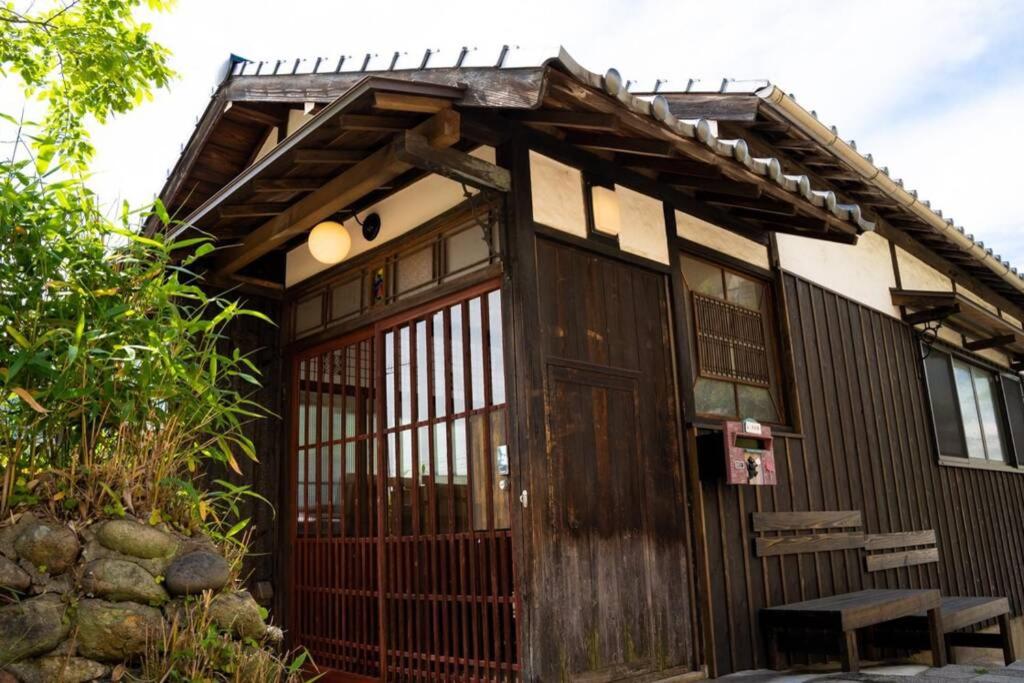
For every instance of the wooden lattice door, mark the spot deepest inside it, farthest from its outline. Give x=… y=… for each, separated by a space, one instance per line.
x=402 y=524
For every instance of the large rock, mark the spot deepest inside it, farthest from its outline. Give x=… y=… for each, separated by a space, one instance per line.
x=31 y=628
x=238 y=613
x=13 y=577
x=48 y=547
x=58 y=670
x=115 y=631
x=94 y=550
x=196 y=572
x=9 y=532
x=135 y=539
x=118 y=580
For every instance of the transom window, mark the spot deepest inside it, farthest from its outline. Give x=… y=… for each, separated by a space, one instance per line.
x=970 y=408
x=736 y=364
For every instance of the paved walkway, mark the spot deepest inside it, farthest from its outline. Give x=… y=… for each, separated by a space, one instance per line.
x=954 y=673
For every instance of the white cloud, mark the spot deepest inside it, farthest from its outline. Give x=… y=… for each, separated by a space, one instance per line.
x=875 y=68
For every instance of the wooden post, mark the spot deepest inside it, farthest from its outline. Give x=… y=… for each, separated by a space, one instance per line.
x=1009 y=656
x=850 y=656
x=937 y=637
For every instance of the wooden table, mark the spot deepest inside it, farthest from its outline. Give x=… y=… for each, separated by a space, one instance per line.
x=848 y=612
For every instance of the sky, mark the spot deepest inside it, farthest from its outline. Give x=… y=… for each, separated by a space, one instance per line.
x=934 y=89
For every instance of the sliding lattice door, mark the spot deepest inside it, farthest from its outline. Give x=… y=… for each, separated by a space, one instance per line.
x=402 y=533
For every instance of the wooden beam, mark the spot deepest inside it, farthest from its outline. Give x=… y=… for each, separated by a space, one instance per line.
x=990 y=343
x=680 y=166
x=440 y=130
x=416 y=104
x=458 y=166
x=328 y=156
x=690 y=183
x=287 y=184
x=237 y=111
x=586 y=120
x=931 y=314
x=252 y=210
x=762 y=205
x=390 y=124
x=615 y=143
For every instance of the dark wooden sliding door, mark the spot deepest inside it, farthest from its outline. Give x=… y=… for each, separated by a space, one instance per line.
x=403 y=556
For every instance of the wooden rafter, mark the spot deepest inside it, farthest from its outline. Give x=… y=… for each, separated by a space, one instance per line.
x=458 y=166
x=585 y=120
x=615 y=143
x=328 y=156
x=416 y=104
x=251 y=210
x=382 y=166
x=286 y=184
x=990 y=343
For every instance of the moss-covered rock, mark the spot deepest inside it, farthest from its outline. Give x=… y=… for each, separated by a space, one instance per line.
x=55 y=669
x=116 y=631
x=238 y=613
x=31 y=627
x=94 y=550
x=13 y=577
x=196 y=572
x=118 y=581
x=48 y=547
x=136 y=539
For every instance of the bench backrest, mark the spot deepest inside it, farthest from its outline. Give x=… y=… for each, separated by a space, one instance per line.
x=900 y=549
x=815 y=531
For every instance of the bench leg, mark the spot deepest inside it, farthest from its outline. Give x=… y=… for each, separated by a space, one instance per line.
x=851 y=658
x=1006 y=635
x=771 y=638
x=937 y=637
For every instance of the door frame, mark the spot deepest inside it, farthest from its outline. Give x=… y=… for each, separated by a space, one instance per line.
x=374 y=329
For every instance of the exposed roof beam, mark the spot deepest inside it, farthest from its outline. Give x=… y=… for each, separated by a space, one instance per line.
x=458 y=166
x=441 y=130
x=990 y=343
x=391 y=124
x=586 y=120
x=711 y=185
x=253 y=210
x=287 y=184
x=763 y=205
x=931 y=314
x=392 y=101
x=328 y=156
x=614 y=143
x=235 y=110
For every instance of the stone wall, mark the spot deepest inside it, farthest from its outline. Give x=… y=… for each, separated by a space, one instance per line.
x=78 y=602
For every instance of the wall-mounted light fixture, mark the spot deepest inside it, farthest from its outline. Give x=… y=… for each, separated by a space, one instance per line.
x=329 y=242
x=607 y=217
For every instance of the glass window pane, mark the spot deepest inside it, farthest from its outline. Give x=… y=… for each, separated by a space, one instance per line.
x=440 y=366
x=497 y=351
x=703 y=277
x=984 y=384
x=415 y=269
x=309 y=314
x=968 y=410
x=941 y=390
x=756 y=402
x=458 y=388
x=743 y=291
x=712 y=397
x=467 y=249
x=346 y=299
x=476 y=354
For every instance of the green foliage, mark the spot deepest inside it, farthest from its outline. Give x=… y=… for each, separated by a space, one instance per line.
x=85 y=58
x=110 y=354
x=193 y=648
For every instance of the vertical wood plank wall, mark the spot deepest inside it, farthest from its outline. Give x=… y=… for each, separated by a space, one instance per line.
x=866 y=444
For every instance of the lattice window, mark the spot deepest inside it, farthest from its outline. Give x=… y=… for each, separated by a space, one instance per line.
x=730 y=341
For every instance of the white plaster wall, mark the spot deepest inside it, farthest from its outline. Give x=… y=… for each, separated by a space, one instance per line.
x=401 y=212
x=557 y=194
x=722 y=240
x=863 y=272
x=915 y=274
x=643 y=225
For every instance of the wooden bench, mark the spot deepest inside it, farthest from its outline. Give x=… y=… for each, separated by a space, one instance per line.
x=910 y=548
x=843 y=614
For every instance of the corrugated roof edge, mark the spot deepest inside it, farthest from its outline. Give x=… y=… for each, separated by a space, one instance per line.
x=828 y=137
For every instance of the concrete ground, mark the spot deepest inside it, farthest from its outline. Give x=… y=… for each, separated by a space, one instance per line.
x=954 y=673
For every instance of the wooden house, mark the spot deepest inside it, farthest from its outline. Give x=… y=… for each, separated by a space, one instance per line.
x=498 y=446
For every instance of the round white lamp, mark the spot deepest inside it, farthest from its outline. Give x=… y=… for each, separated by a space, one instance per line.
x=329 y=242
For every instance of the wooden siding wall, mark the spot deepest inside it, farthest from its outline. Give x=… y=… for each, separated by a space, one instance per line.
x=866 y=444
x=262 y=340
